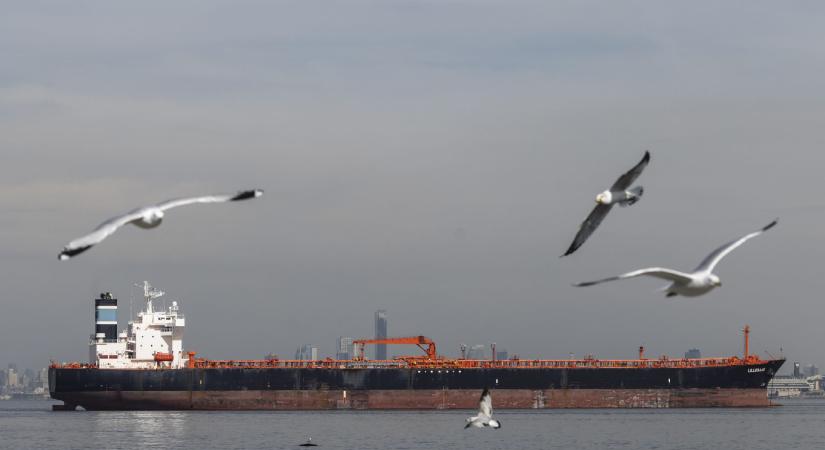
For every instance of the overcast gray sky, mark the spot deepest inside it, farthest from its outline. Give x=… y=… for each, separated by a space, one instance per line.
x=427 y=157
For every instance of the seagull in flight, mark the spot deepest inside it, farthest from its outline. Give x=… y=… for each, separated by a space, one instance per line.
x=620 y=193
x=701 y=281
x=145 y=217
x=484 y=418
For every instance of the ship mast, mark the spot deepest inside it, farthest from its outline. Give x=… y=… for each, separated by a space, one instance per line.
x=149 y=294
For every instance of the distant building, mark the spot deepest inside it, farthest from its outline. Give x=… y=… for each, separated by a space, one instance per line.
x=345 y=349
x=476 y=352
x=307 y=353
x=381 y=333
x=12 y=378
x=797 y=371
x=693 y=353
x=501 y=355
x=785 y=386
x=811 y=370
x=28 y=381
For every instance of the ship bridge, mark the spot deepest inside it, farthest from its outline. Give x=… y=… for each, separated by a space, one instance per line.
x=154 y=339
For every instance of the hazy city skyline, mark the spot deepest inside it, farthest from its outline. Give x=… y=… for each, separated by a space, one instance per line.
x=430 y=158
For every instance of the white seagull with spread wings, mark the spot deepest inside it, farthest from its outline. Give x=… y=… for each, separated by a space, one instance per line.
x=145 y=217
x=485 y=413
x=620 y=193
x=701 y=281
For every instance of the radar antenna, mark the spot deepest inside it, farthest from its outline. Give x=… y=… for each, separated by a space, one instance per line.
x=149 y=294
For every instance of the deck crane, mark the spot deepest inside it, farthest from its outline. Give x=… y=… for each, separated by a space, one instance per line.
x=420 y=341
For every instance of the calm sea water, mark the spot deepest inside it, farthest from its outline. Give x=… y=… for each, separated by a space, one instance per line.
x=797 y=424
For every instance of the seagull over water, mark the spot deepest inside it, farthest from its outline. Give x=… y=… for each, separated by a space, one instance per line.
x=308 y=443
x=484 y=418
x=145 y=217
x=620 y=193
x=701 y=281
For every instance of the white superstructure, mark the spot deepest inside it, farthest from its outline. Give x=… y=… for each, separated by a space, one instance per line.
x=154 y=339
x=787 y=386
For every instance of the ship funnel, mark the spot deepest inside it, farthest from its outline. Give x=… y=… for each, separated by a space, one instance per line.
x=106 y=317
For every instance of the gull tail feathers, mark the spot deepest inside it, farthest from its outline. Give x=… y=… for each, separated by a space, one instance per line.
x=635 y=195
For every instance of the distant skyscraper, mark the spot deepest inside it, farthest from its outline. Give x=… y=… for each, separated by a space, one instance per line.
x=12 y=378
x=307 y=353
x=345 y=348
x=693 y=353
x=797 y=372
x=380 y=333
x=476 y=352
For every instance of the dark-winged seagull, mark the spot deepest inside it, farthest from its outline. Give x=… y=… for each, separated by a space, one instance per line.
x=484 y=418
x=701 y=281
x=145 y=217
x=620 y=193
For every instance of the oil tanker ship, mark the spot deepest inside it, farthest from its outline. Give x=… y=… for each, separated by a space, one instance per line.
x=146 y=368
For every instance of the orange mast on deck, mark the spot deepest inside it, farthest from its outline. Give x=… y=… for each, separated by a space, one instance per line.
x=747 y=332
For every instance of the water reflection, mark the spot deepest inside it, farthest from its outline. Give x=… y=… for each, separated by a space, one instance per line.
x=141 y=428
x=795 y=425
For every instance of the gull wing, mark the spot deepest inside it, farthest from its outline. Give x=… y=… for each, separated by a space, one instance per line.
x=108 y=227
x=485 y=404
x=593 y=220
x=715 y=256
x=630 y=176
x=100 y=233
x=658 y=272
x=242 y=195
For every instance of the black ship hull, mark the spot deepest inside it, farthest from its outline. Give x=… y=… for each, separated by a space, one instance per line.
x=404 y=388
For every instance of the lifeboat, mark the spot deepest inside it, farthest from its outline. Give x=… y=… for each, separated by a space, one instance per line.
x=159 y=357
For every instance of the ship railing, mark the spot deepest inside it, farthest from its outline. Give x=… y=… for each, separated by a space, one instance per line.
x=612 y=364
x=298 y=364
x=593 y=363
x=445 y=363
x=94 y=340
x=71 y=365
